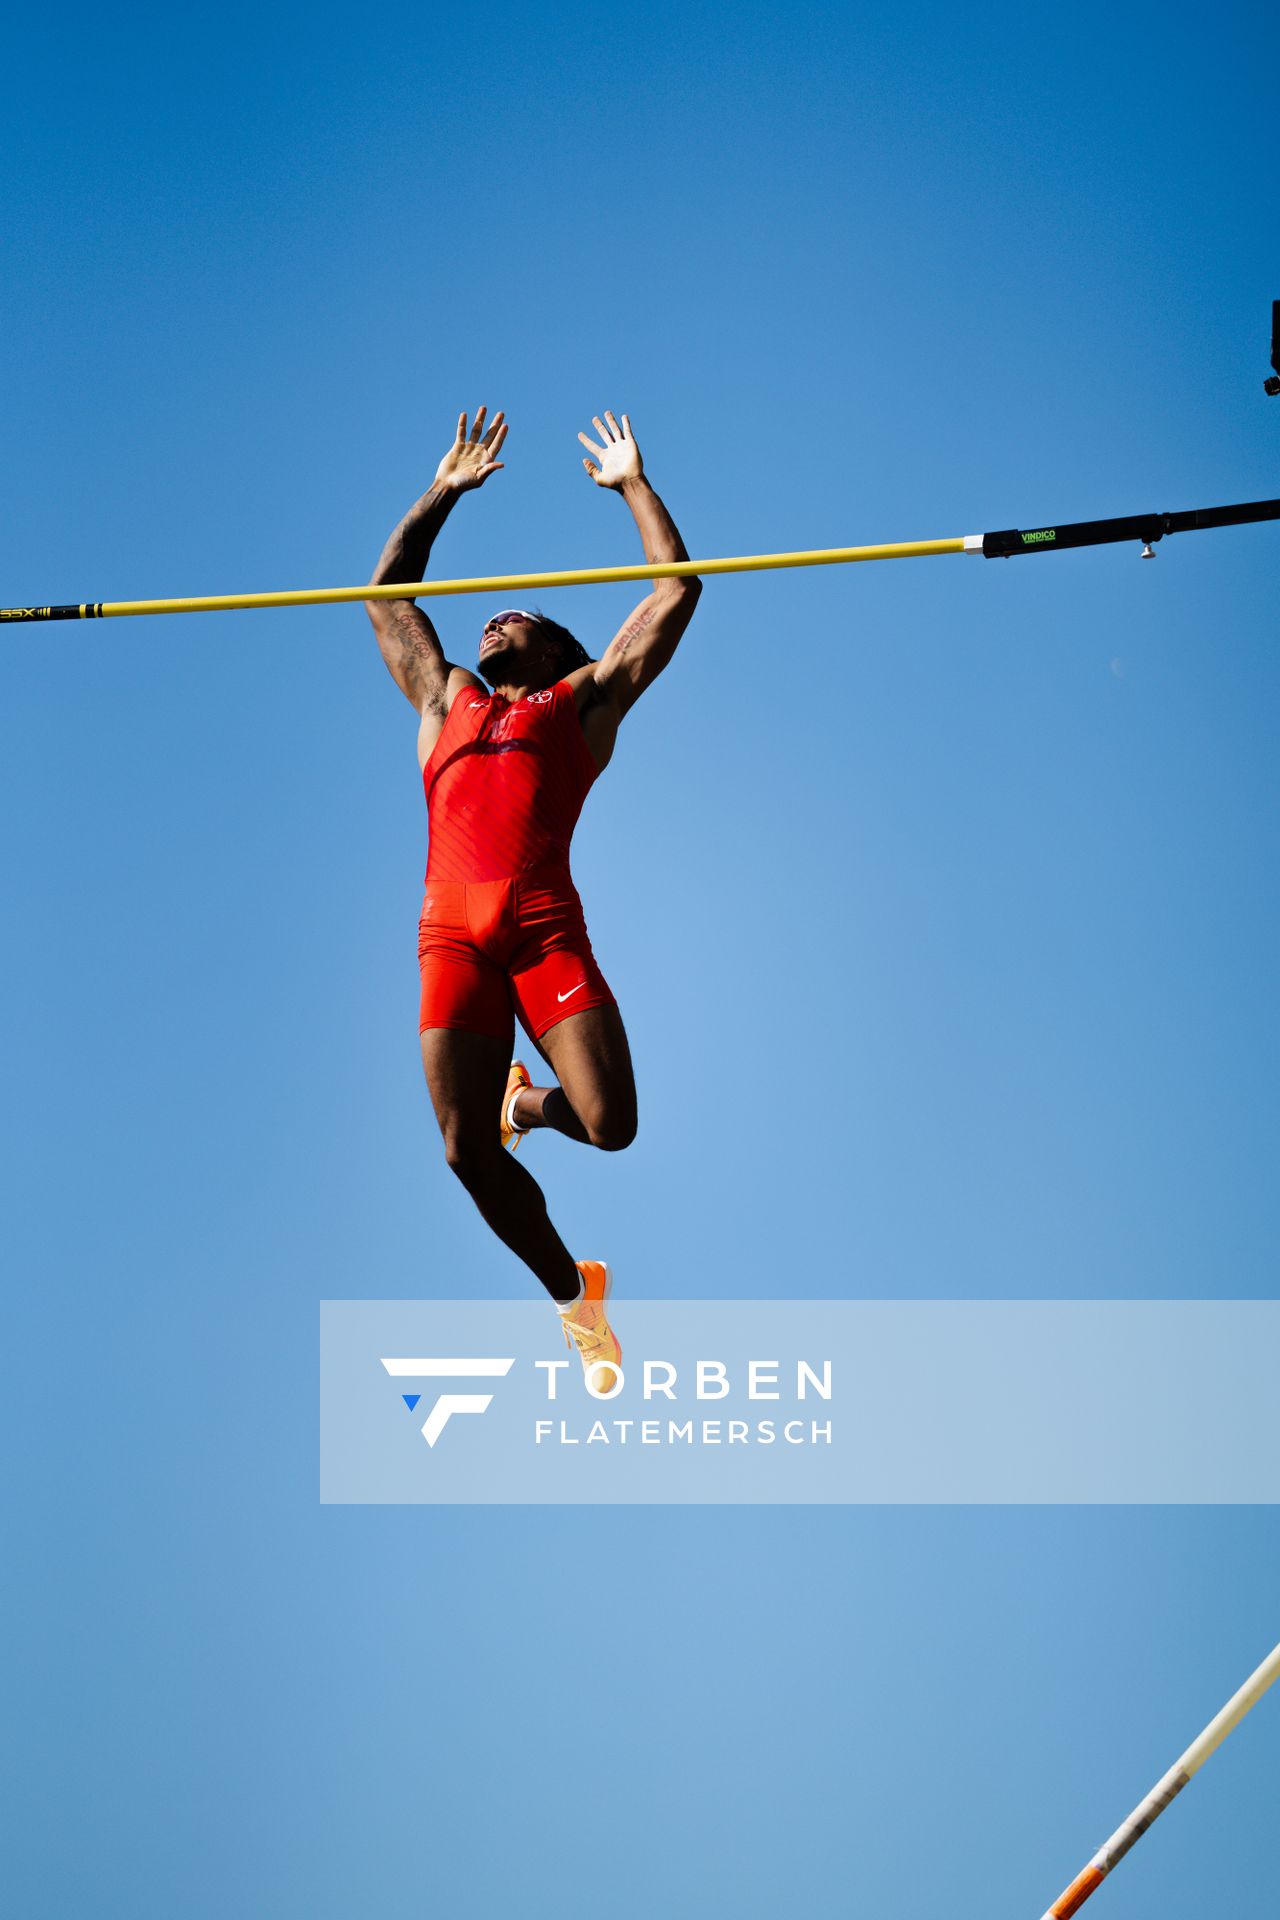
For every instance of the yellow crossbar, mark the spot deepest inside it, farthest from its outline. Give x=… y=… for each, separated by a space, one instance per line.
x=492 y=583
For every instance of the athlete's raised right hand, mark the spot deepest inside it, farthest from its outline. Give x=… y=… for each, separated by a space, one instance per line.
x=470 y=460
x=619 y=457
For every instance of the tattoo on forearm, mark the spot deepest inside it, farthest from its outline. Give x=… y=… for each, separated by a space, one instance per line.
x=406 y=553
x=633 y=632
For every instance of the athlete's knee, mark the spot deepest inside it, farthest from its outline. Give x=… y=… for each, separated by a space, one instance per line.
x=473 y=1160
x=611 y=1128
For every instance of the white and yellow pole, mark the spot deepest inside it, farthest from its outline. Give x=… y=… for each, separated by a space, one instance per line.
x=1166 y=1789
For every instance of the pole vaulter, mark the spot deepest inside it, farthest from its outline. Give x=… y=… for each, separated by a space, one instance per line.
x=1146 y=527
x=1165 y=1789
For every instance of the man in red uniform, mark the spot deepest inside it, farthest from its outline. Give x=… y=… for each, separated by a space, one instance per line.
x=502 y=931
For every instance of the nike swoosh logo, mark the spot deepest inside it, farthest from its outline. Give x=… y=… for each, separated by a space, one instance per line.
x=568 y=996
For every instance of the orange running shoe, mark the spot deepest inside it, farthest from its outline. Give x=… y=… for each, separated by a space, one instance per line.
x=586 y=1327
x=517 y=1078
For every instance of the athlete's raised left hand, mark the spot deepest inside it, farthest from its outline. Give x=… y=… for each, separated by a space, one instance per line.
x=470 y=460
x=619 y=457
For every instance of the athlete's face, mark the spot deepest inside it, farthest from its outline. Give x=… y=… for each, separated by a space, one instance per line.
x=511 y=648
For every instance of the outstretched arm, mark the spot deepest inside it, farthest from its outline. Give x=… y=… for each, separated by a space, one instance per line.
x=637 y=654
x=410 y=644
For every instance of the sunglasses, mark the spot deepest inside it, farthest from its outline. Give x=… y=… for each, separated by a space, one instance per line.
x=511 y=613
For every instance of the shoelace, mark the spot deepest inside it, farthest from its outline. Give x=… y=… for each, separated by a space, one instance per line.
x=584 y=1338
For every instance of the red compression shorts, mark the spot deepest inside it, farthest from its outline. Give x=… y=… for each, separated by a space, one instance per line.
x=490 y=949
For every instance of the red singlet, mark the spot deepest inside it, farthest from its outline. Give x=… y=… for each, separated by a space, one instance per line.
x=502 y=929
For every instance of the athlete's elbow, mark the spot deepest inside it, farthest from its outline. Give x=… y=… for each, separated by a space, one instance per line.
x=676 y=601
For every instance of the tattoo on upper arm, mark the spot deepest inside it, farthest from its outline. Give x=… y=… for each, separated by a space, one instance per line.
x=422 y=655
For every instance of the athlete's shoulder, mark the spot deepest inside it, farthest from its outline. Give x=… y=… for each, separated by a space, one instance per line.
x=465 y=708
x=585 y=687
x=463 y=681
x=590 y=726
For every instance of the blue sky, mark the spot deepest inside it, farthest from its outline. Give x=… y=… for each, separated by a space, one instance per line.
x=939 y=898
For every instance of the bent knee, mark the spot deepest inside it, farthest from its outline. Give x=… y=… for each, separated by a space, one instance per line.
x=611 y=1132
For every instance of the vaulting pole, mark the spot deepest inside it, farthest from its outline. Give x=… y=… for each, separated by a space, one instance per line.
x=1148 y=528
x=1164 y=1790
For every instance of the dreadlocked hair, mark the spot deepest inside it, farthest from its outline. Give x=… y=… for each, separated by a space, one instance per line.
x=571 y=651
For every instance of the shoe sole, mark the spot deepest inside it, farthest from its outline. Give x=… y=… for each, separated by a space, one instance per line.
x=608 y=1289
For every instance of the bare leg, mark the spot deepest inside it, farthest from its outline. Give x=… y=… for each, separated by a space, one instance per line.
x=596 y=1099
x=466 y=1073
